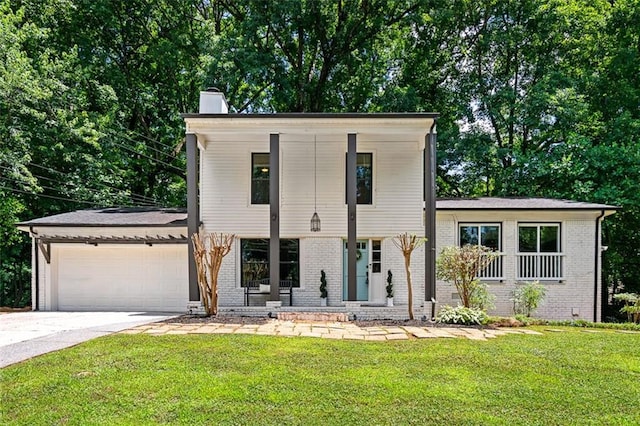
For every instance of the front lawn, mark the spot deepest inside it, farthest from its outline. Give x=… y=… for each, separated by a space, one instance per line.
x=569 y=377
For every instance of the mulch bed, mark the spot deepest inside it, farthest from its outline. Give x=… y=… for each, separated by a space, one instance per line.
x=227 y=319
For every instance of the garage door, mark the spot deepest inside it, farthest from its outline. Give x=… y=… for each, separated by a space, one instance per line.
x=122 y=277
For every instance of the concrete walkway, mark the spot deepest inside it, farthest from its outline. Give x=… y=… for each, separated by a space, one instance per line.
x=326 y=330
x=24 y=335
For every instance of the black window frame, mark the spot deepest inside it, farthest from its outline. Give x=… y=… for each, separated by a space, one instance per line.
x=359 y=180
x=260 y=182
x=289 y=265
x=479 y=225
x=539 y=243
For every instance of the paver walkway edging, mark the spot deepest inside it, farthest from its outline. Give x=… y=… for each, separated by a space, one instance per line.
x=326 y=330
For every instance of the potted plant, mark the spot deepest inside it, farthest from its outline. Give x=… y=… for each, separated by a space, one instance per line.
x=323 y=288
x=389 y=288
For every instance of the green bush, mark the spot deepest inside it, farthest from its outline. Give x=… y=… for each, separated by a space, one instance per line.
x=481 y=298
x=631 y=305
x=461 y=267
x=460 y=315
x=389 y=283
x=528 y=297
x=323 y=285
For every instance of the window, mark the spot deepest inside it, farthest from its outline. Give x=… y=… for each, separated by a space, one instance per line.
x=376 y=256
x=364 y=178
x=259 y=178
x=484 y=235
x=539 y=252
x=255 y=260
x=539 y=238
x=487 y=235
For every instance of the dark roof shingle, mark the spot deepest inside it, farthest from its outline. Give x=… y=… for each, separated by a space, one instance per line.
x=516 y=203
x=115 y=216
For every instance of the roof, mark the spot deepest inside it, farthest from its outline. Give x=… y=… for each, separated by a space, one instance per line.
x=176 y=217
x=115 y=216
x=316 y=115
x=517 y=203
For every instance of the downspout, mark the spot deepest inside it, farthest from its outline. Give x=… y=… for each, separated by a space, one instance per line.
x=36 y=271
x=430 y=165
x=598 y=267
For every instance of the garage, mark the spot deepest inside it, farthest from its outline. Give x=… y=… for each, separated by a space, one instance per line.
x=115 y=259
x=122 y=277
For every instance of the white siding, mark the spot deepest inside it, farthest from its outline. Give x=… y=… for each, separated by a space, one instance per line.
x=397 y=199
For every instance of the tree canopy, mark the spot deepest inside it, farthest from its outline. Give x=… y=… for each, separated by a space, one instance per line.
x=537 y=98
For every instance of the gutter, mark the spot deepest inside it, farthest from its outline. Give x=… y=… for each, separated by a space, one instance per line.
x=598 y=266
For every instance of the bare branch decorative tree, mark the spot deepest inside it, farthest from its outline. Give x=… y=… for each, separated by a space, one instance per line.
x=407 y=244
x=462 y=266
x=209 y=250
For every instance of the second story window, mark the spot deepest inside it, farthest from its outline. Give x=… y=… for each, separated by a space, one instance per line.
x=259 y=178
x=364 y=178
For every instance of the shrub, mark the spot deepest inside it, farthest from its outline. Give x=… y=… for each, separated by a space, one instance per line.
x=461 y=266
x=323 y=285
x=460 y=315
x=389 y=283
x=631 y=305
x=528 y=297
x=481 y=298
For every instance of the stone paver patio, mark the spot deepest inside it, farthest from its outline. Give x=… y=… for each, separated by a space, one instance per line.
x=326 y=330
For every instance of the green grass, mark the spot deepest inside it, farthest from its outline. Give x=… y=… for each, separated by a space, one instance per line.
x=573 y=377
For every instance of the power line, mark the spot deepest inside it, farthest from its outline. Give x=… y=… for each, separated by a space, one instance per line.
x=150 y=139
x=148 y=157
x=126 y=136
x=6 y=179
x=142 y=198
x=47 y=196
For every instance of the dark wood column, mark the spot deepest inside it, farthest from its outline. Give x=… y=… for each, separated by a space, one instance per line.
x=430 y=215
x=352 y=202
x=274 y=214
x=193 y=211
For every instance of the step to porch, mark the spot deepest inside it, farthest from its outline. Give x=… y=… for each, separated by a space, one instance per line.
x=314 y=316
x=351 y=313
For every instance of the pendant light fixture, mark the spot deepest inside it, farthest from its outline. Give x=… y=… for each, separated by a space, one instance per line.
x=315 y=219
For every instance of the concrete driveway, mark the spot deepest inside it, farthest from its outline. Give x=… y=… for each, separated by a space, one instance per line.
x=24 y=335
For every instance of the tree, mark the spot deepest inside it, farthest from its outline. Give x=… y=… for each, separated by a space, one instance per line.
x=407 y=244
x=209 y=250
x=462 y=266
x=306 y=56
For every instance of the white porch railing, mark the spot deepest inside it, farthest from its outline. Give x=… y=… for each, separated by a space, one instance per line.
x=494 y=271
x=536 y=266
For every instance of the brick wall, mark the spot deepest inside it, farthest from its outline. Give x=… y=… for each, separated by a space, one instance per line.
x=572 y=298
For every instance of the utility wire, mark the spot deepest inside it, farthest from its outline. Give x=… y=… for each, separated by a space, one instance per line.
x=7 y=179
x=146 y=156
x=47 y=196
x=125 y=131
x=139 y=196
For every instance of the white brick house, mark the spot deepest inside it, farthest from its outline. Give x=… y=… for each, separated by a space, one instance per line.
x=556 y=242
x=263 y=176
x=369 y=177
